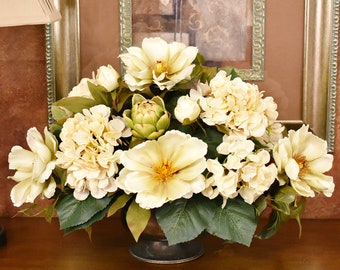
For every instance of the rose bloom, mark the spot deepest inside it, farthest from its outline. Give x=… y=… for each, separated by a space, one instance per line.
x=164 y=170
x=158 y=62
x=237 y=106
x=302 y=161
x=187 y=110
x=107 y=77
x=33 y=168
x=87 y=151
x=81 y=89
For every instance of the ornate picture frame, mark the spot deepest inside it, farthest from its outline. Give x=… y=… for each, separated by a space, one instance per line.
x=257 y=25
x=320 y=54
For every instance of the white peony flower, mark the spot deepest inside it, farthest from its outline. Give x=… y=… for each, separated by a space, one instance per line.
x=33 y=168
x=302 y=158
x=186 y=110
x=164 y=170
x=158 y=62
x=87 y=151
x=108 y=77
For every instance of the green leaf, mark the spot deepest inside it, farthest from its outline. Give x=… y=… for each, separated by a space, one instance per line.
x=183 y=220
x=76 y=104
x=236 y=222
x=284 y=199
x=98 y=216
x=260 y=204
x=230 y=71
x=100 y=94
x=276 y=220
x=119 y=203
x=136 y=219
x=72 y=212
x=60 y=113
x=212 y=137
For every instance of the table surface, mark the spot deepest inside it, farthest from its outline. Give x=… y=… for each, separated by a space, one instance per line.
x=33 y=243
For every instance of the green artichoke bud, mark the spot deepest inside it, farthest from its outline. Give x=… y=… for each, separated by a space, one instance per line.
x=148 y=118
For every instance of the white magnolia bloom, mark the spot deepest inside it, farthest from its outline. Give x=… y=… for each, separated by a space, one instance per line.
x=187 y=110
x=158 y=62
x=82 y=89
x=237 y=106
x=164 y=170
x=108 y=77
x=302 y=158
x=87 y=151
x=33 y=168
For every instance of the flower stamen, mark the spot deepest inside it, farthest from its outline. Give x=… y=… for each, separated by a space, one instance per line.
x=160 y=67
x=164 y=171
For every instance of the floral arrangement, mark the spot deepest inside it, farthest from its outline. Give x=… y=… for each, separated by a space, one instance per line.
x=196 y=146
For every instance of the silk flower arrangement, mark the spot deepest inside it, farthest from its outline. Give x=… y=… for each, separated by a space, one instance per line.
x=196 y=146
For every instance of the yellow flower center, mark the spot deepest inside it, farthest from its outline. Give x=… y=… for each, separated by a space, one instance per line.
x=160 y=67
x=164 y=171
x=302 y=162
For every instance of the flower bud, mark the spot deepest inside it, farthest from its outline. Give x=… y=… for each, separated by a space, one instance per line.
x=187 y=110
x=148 y=118
x=108 y=77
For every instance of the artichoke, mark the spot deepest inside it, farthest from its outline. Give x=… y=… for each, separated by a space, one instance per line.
x=148 y=118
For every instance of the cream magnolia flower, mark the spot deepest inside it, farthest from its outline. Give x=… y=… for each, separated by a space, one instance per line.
x=186 y=110
x=87 y=151
x=164 y=170
x=302 y=160
x=108 y=77
x=33 y=168
x=158 y=62
x=237 y=106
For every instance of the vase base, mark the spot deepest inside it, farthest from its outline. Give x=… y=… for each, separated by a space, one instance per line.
x=159 y=252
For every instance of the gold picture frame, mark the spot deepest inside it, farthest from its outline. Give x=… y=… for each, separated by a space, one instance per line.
x=320 y=54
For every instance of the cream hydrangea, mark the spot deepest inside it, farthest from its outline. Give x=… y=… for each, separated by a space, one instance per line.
x=158 y=62
x=164 y=170
x=87 y=151
x=244 y=171
x=256 y=176
x=237 y=106
x=302 y=160
x=33 y=168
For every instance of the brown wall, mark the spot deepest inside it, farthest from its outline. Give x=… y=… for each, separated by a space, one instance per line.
x=23 y=87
